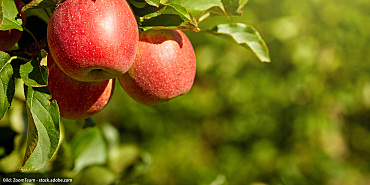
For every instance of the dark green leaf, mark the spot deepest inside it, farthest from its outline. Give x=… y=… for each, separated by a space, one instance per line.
x=10 y=18
x=244 y=35
x=33 y=74
x=6 y=83
x=43 y=14
x=137 y=4
x=43 y=128
x=88 y=148
x=35 y=4
x=163 y=20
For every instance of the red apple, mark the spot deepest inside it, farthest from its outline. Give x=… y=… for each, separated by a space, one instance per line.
x=93 y=40
x=164 y=67
x=77 y=100
x=8 y=38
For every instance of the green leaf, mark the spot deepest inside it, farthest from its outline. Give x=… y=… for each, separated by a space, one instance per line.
x=196 y=6
x=148 y=11
x=10 y=18
x=111 y=135
x=153 y=2
x=179 y=10
x=43 y=128
x=163 y=21
x=165 y=16
x=17 y=61
x=244 y=35
x=234 y=7
x=39 y=4
x=7 y=84
x=33 y=74
x=88 y=148
x=1 y=13
x=202 y=9
x=138 y=4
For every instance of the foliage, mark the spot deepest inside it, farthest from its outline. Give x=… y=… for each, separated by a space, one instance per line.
x=302 y=119
x=43 y=125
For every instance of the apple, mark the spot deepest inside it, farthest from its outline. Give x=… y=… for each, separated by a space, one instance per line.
x=164 y=67
x=77 y=100
x=8 y=38
x=93 y=40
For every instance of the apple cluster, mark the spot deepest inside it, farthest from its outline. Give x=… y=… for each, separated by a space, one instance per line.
x=93 y=42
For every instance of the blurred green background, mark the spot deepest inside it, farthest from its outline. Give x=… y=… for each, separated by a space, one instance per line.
x=302 y=119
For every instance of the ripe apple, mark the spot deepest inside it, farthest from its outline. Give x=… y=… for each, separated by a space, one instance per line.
x=93 y=40
x=8 y=38
x=77 y=100
x=164 y=67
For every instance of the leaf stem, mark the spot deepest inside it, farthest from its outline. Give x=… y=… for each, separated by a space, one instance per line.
x=33 y=36
x=18 y=58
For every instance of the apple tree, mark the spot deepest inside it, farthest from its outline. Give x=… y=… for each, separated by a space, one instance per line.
x=27 y=62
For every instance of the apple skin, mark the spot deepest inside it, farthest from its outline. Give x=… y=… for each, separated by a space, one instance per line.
x=77 y=100
x=93 y=40
x=164 y=67
x=8 y=38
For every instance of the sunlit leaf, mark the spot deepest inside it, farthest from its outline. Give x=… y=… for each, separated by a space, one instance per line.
x=43 y=128
x=10 y=17
x=195 y=6
x=6 y=83
x=177 y=9
x=244 y=35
